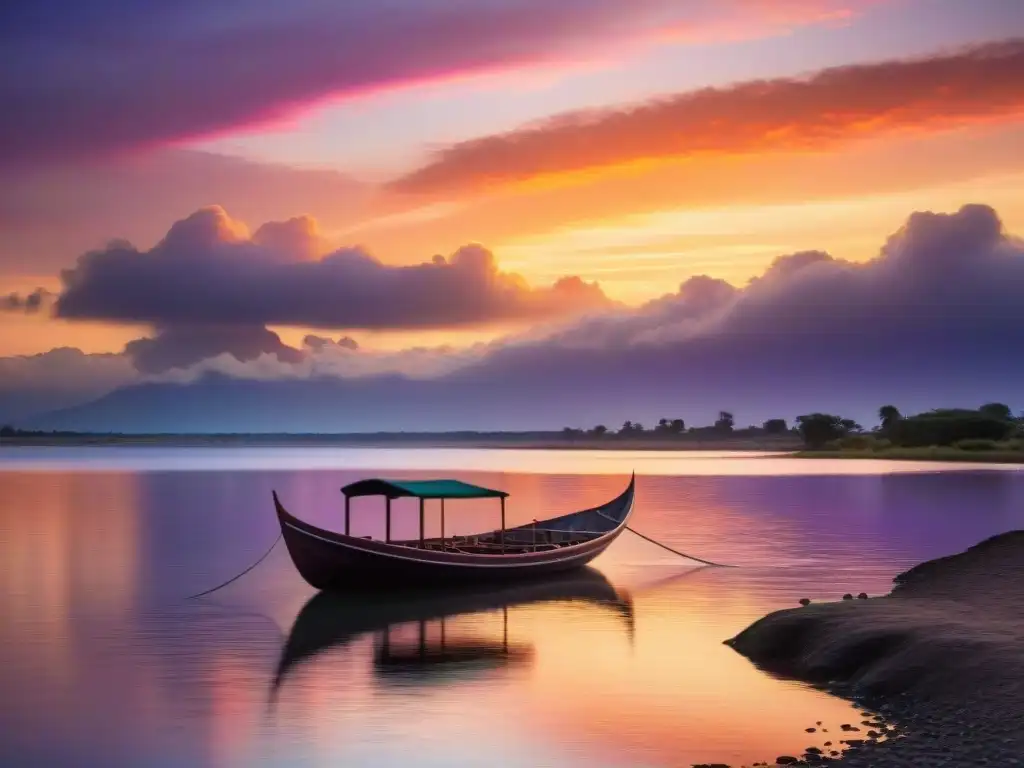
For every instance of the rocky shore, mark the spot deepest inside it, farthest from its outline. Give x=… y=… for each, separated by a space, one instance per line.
x=938 y=663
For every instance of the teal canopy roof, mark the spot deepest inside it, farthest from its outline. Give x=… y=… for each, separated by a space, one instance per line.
x=421 y=489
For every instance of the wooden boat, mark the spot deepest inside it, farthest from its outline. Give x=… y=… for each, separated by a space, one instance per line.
x=333 y=620
x=328 y=560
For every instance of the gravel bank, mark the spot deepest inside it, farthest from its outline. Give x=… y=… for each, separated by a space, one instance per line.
x=941 y=658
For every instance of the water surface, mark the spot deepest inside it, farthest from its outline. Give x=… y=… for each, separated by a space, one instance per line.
x=102 y=663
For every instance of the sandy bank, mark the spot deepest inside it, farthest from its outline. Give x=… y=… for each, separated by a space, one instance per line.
x=941 y=656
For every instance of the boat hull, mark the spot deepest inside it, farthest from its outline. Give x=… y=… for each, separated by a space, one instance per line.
x=333 y=561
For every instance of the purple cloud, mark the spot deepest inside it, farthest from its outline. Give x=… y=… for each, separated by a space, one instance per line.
x=935 y=320
x=182 y=346
x=86 y=78
x=208 y=271
x=29 y=303
x=320 y=343
x=132 y=197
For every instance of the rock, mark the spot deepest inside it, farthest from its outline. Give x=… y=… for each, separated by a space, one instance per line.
x=812 y=751
x=810 y=730
x=804 y=601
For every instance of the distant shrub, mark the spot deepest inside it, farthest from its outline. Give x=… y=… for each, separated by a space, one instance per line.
x=948 y=427
x=977 y=445
x=881 y=444
x=857 y=442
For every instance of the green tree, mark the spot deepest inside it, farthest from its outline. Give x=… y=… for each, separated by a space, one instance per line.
x=599 y=431
x=850 y=426
x=817 y=429
x=673 y=427
x=725 y=422
x=888 y=415
x=7 y=431
x=774 y=427
x=997 y=411
x=947 y=426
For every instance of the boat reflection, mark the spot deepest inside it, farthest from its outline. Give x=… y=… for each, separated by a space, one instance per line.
x=428 y=661
x=332 y=620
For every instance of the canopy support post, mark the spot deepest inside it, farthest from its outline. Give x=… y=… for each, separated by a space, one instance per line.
x=503 y=525
x=442 y=523
x=346 y=514
x=422 y=542
x=387 y=521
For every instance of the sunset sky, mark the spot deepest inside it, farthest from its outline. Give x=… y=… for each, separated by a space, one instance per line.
x=404 y=186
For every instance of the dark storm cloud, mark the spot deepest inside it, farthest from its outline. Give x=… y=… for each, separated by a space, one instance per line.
x=28 y=303
x=320 y=343
x=80 y=78
x=182 y=346
x=208 y=271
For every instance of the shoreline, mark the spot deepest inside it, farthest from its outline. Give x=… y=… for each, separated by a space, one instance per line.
x=525 y=442
x=778 y=447
x=940 y=659
x=933 y=453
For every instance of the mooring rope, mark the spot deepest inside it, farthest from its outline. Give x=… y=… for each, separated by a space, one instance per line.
x=665 y=546
x=236 y=578
x=677 y=552
x=631 y=530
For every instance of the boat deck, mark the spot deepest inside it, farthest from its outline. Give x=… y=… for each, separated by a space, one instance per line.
x=515 y=541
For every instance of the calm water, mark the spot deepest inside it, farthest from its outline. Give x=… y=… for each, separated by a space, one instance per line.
x=102 y=663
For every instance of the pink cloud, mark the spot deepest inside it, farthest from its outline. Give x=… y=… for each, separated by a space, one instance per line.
x=80 y=82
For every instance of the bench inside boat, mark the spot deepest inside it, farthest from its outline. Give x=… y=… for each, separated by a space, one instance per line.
x=528 y=538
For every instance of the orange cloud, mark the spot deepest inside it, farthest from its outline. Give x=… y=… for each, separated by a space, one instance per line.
x=832 y=106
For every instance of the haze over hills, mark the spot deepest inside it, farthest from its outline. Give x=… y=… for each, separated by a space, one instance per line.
x=578 y=394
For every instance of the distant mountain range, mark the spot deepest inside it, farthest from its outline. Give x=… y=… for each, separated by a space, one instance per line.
x=467 y=402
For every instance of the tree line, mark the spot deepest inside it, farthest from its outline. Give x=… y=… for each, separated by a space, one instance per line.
x=991 y=423
x=986 y=427
x=724 y=426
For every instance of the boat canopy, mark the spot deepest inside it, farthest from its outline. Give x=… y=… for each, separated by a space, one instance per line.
x=420 y=489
